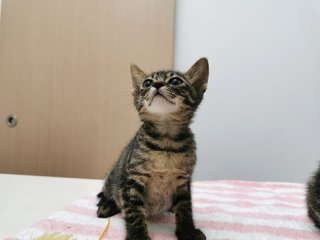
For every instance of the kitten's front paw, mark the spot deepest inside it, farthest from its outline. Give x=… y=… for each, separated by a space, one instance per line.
x=138 y=237
x=106 y=207
x=195 y=234
x=103 y=212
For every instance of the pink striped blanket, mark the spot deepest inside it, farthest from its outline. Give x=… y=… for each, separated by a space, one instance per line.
x=235 y=210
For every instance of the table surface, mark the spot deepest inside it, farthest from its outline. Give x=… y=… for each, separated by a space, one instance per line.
x=27 y=199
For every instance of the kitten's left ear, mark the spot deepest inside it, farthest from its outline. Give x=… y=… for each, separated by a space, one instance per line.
x=198 y=75
x=137 y=76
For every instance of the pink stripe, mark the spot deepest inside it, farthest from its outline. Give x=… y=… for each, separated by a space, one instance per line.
x=244 y=190
x=267 y=184
x=250 y=187
x=244 y=204
x=260 y=215
x=253 y=184
x=243 y=228
x=280 y=197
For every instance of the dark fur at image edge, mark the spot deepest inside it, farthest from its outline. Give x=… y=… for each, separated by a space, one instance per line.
x=313 y=198
x=153 y=173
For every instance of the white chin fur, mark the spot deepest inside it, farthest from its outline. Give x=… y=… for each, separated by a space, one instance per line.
x=160 y=105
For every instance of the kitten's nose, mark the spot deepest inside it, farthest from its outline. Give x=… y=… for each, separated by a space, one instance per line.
x=158 y=85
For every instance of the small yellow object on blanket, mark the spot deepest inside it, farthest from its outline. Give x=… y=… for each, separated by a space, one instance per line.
x=58 y=236
x=104 y=230
x=54 y=236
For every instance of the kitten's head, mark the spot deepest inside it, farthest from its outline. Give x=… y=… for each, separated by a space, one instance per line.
x=169 y=94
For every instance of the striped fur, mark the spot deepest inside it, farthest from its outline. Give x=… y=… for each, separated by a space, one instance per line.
x=153 y=173
x=313 y=198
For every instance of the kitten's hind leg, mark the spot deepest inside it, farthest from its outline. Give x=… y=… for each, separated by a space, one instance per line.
x=106 y=206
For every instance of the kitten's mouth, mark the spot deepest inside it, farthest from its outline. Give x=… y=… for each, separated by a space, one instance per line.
x=160 y=95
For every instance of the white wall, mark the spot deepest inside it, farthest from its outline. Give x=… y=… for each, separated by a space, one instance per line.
x=260 y=119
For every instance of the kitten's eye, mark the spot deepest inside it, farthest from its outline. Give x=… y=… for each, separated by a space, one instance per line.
x=147 y=83
x=175 y=81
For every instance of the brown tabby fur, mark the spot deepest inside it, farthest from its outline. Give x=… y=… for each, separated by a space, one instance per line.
x=153 y=173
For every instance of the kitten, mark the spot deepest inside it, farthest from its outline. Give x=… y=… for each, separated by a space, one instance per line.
x=313 y=198
x=153 y=173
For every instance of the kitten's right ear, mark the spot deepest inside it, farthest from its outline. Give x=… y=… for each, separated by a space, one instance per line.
x=198 y=75
x=137 y=76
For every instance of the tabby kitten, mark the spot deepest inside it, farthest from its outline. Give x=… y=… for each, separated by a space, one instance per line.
x=313 y=198
x=153 y=173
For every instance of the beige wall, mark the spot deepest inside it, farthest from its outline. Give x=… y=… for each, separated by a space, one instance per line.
x=65 y=74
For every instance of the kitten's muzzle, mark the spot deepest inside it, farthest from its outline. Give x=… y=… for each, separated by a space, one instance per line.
x=158 y=91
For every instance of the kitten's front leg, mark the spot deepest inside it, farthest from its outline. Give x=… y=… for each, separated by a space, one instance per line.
x=134 y=212
x=182 y=207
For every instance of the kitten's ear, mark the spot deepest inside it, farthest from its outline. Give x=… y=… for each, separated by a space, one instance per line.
x=198 y=75
x=137 y=75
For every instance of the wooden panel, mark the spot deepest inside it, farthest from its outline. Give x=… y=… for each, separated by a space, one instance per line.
x=64 y=72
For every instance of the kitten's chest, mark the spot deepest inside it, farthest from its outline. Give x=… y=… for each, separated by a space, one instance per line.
x=168 y=172
x=169 y=161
